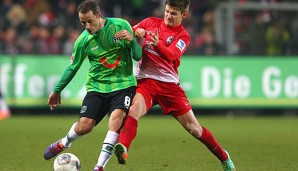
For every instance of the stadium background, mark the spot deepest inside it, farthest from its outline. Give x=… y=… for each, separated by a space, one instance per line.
x=243 y=53
x=240 y=74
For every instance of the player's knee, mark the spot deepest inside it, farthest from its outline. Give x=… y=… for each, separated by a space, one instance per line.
x=194 y=129
x=135 y=110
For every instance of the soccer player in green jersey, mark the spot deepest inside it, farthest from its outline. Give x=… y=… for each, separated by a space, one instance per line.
x=109 y=45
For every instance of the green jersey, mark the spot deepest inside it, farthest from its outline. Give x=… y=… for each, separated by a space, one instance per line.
x=110 y=59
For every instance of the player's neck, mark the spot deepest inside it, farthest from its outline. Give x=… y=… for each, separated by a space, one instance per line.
x=102 y=22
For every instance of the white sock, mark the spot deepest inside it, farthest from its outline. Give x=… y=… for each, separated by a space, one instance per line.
x=107 y=148
x=71 y=136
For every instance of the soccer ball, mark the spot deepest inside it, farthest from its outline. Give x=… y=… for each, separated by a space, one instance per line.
x=67 y=162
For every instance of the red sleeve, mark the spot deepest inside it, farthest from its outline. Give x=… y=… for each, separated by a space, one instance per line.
x=140 y=24
x=175 y=50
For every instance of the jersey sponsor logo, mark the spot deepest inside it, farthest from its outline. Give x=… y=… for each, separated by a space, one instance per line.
x=170 y=39
x=112 y=65
x=180 y=45
x=93 y=48
x=83 y=109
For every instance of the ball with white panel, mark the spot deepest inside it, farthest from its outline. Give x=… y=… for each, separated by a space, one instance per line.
x=67 y=162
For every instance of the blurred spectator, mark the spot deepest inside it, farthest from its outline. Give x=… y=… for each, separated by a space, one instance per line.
x=16 y=17
x=72 y=35
x=57 y=39
x=277 y=38
x=206 y=44
x=29 y=43
x=294 y=34
x=4 y=8
x=44 y=26
x=44 y=41
x=255 y=36
x=68 y=18
x=10 y=43
x=35 y=8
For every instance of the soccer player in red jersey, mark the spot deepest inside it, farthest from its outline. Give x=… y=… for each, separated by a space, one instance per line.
x=165 y=40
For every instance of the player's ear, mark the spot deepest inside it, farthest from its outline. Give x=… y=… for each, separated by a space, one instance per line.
x=184 y=14
x=99 y=15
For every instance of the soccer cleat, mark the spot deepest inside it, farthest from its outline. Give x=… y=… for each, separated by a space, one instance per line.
x=53 y=150
x=228 y=164
x=121 y=153
x=98 y=168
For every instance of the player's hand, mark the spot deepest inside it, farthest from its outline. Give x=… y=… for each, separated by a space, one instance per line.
x=140 y=33
x=54 y=100
x=123 y=35
x=154 y=38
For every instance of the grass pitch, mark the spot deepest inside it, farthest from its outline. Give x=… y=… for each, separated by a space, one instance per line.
x=254 y=143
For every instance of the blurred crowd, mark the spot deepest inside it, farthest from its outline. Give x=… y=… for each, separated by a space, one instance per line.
x=51 y=26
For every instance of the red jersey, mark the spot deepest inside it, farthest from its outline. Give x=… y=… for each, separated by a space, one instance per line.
x=161 y=62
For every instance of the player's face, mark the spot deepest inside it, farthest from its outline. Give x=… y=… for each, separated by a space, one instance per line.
x=90 y=21
x=173 y=17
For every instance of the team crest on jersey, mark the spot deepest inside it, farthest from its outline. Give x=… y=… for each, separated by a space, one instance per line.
x=170 y=39
x=116 y=40
x=180 y=45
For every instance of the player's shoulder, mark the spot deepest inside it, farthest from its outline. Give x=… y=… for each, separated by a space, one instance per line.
x=184 y=32
x=117 y=21
x=83 y=37
x=153 y=20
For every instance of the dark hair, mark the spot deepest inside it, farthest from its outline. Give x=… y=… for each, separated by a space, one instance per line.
x=181 y=5
x=89 y=5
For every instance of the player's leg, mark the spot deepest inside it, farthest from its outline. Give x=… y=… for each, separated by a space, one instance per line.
x=175 y=102
x=120 y=103
x=129 y=128
x=77 y=130
x=91 y=113
x=111 y=139
x=191 y=124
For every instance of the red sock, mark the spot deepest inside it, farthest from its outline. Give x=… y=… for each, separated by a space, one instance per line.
x=208 y=139
x=128 y=131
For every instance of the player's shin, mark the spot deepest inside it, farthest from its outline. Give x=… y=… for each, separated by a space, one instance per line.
x=209 y=140
x=71 y=136
x=107 y=148
x=128 y=131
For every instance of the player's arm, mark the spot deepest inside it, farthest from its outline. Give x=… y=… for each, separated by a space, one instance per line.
x=139 y=29
x=77 y=59
x=67 y=76
x=172 y=52
x=54 y=99
x=136 y=49
x=127 y=34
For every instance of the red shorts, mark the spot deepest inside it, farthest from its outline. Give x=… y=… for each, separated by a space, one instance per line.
x=170 y=97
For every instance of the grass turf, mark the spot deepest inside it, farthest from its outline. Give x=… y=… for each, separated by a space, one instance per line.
x=254 y=143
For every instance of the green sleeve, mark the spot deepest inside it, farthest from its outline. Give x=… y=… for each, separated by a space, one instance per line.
x=136 y=49
x=67 y=76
